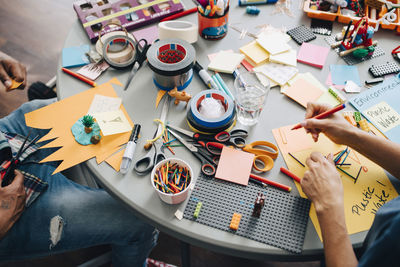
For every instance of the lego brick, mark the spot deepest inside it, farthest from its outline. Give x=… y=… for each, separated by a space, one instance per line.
x=197 y=210
x=301 y=34
x=283 y=219
x=323 y=27
x=235 y=221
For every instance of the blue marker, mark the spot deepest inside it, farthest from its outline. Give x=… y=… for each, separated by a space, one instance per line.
x=256 y=2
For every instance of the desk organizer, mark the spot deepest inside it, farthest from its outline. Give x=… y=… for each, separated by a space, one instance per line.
x=283 y=220
x=318 y=14
x=131 y=14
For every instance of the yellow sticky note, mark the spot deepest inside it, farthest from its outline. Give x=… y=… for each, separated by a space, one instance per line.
x=112 y=122
x=255 y=53
x=287 y=58
x=273 y=46
x=383 y=116
x=225 y=62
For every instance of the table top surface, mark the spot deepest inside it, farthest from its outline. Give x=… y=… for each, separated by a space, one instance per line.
x=137 y=192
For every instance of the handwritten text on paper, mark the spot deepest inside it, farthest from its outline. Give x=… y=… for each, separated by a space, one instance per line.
x=383 y=116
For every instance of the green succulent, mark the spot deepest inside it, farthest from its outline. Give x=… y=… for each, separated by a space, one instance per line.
x=87 y=121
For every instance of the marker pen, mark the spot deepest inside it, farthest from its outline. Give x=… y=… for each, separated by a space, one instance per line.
x=205 y=76
x=130 y=149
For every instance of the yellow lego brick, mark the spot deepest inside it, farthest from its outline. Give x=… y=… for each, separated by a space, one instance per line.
x=235 y=221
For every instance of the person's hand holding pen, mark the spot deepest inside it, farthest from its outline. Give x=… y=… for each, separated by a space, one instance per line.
x=335 y=127
x=10 y=69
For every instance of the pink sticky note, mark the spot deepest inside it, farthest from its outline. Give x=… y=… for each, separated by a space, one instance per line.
x=234 y=166
x=330 y=83
x=313 y=55
x=302 y=92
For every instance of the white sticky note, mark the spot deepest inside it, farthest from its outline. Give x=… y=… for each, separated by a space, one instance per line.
x=287 y=58
x=352 y=87
x=103 y=103
x=383 y=116
x=265 y=81
x=225 y=62
x=279 y=73
x=273 y=46
x=113 y=122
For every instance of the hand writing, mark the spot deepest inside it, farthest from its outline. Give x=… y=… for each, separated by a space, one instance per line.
x=322 y=183
x=12 y=203
x=335 y=127
x=12 y=69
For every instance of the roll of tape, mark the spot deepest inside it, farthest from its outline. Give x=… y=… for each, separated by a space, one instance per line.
x=215 y=122
x=118 y=56
x=184 y=30
x=114 y=43
x=195 y=130
x=209 y=130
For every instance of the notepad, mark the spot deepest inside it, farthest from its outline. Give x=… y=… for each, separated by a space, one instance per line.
x=279 y=73
x=75 y=56
x=287 y=58
x=313 y=55
x=303 y=92
x=225 y=62
x=273 y=46
x=255 y=53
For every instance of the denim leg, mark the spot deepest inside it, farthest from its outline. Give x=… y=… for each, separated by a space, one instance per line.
x=68 y=216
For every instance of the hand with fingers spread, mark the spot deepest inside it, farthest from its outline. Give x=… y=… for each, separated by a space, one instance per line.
x=12 y=203
x=335 y=127
x=11 y=69
x=322 y=183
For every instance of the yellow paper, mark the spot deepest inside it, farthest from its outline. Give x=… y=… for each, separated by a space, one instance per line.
x=116 y=159
x=255 y=53
x=383 y=115
x=60 y=116
x=15 y=84
x=361 y=199
x=112 y=122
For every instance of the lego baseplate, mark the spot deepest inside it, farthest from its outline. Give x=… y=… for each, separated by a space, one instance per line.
x=350 y=60
x=283 y=219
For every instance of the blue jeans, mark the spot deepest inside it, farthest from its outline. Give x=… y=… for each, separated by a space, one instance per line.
x=68 y=216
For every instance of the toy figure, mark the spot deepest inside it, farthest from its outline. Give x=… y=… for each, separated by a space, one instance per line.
x=88 y=122
x=179 y=96
x=258 y=205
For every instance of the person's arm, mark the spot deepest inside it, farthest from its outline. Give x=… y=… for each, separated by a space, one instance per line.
x=380 y=150
x=323 y=186
x=11 y=69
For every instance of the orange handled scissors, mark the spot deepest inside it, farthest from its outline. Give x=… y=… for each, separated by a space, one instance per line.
x=265 y=153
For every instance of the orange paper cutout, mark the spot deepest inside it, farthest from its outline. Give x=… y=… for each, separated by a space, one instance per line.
x=60 y=116
x=116 y=159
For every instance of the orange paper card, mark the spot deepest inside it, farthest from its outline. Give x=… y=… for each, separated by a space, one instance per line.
x=302 y=92
x=234 y=166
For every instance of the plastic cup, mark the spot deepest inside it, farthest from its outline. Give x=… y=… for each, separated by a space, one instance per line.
x=177 y=197
x=250 y=97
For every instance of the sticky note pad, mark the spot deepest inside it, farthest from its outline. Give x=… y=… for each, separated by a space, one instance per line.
x=287 y=58
x=74 y=56
x=343 y=73
x=278 y=73
x=255 y=53
x=234 y=166
x=313 y=55
x=225 y=62
x=112 y=122
x=303 y=92
x=273 y=46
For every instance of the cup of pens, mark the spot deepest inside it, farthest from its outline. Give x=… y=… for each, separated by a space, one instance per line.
x=213 y=19
x=171 y=178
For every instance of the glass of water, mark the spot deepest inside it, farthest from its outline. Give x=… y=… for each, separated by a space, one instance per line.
x=250 y=97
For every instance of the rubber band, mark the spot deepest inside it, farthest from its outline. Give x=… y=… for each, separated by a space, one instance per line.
x=151 y=141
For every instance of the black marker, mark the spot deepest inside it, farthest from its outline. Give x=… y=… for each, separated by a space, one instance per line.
x=130 y=149
x=204 y=76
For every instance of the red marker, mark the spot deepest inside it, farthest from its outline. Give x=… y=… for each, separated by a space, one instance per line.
x=290 y=174
x=323 y=115
x=181 y=14
x=272 y=183
x=80 y=77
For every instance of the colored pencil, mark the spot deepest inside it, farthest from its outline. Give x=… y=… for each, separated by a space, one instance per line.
x=290 y=154
x=269 y=182
x=79 y=77
x=181 y=14
x=290 y=174
x=323 y=115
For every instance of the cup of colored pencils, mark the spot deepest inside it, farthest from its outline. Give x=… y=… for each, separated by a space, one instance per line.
x=171 y=178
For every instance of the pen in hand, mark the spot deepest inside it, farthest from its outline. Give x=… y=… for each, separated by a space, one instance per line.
x=130 y=149
x=323 y=115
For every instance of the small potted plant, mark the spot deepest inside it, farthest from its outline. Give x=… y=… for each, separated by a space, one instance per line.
x=88 y=122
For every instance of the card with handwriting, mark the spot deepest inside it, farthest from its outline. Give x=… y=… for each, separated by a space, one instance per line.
x=112 y=122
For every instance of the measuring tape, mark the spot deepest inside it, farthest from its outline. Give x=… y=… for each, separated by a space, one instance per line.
x=171 y=61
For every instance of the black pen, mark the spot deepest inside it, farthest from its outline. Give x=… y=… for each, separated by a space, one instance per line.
x=258 y=182
x=204 y=76
x=130 y=149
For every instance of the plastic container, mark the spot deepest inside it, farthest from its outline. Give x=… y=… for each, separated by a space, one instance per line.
x=213 y=28
x=177 y=197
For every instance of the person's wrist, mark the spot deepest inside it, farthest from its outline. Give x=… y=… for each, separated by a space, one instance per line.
x=327 y=207
x=351 y=136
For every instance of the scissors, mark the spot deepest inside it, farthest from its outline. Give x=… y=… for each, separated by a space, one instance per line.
x=207 y=163
x=265 y=153
x=144 y=165
x=235 y=138
x=141 y=56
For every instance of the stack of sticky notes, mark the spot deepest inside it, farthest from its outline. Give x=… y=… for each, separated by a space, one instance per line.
x=304 y=88
x=225 y=61
x=313 y=55
x=75 y=56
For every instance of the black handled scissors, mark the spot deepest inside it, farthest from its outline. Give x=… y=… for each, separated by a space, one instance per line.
x=144 y=165
x=141 y=56
x=235 y=138
x=207 y=163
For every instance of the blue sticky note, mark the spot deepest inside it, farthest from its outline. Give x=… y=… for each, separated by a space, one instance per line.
x=343 y=73
x=74 y=56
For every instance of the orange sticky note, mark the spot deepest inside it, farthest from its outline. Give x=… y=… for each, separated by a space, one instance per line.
x=234 y=166
x=303 y=91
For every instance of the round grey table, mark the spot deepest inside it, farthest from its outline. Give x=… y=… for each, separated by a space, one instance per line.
x=137 y=193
